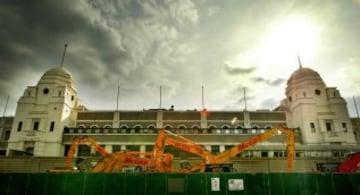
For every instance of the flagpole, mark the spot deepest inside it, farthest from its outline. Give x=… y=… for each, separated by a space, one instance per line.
x=117 y=98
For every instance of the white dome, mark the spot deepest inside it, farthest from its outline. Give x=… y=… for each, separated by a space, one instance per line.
x=58 y=75
x=303 y=77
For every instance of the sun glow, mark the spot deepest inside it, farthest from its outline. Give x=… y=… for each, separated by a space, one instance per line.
x=294 y=35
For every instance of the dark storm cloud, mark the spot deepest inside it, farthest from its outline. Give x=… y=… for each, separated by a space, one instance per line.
x=238 y=71
x=180 y=45
x=36 y=30
x=275 y=82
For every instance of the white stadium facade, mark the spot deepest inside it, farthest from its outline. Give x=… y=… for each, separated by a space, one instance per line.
x=50 y=114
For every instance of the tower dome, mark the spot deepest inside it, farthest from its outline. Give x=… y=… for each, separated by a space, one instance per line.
x=304 y=74
x=304 y=77
x=58 y=75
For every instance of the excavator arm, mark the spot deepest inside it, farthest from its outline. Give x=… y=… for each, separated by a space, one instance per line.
x=190 y=146
x=227 y=155
x=83 y=140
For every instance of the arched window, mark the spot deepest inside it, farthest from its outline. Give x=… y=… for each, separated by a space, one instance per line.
x=94 y=128
x=226 y=129
x=125 y=129
x=195 y=129
x=107 y=128
x=137 y=128
x=29 y=150
x=152 y=129
x=212 y=129
x=254 y=129
x=238 y=129
x=181 y=129
x=168 y=127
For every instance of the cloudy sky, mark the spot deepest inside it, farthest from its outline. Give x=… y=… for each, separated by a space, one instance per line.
x=140 y=45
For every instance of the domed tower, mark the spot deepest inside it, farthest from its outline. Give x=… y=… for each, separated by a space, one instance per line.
x=319 y=111
x=42 y=113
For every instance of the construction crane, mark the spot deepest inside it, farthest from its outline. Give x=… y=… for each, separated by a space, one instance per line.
x=208 y=158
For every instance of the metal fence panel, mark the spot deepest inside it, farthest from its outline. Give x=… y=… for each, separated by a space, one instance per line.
x=18 y=184
x=156 y=184
x=308 y=183
x=94 y=183
x=255 y=183
x=196 y=184
x=36 y=184
x=114 y=183
x=4 y=182
x=342 y=184
x=172 y=184
x=355 y=180
x=291 y=183
x=276 y=183
x=135 y=183
x=324 y=183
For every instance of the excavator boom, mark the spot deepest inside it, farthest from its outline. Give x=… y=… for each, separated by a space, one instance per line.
x=208 y=158
x=83 y=140
x=227 y=155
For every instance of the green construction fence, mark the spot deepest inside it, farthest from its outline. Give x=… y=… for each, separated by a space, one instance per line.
x=195 y=183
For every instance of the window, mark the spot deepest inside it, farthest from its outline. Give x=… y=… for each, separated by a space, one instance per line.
x=52 y=126
x=215 y=149
x=67 y=147
x=124 y=129
x=36 y=125
x=116 y=148
x=227 y=147
x=84 y=150
x=196 y=129
x=328 y=126
x=312 y=127
x=168 y=127
x=152 y=129
x=30 y=150
x=96 y=152
x=133 y=147
x=46 y=91
x=212 y=129
x=264 y=154
x=279 y=153
x=20 y=126
x=344 y=127
x=7 y=135
x=149 y=148
x=137 y=129
x=317 y=92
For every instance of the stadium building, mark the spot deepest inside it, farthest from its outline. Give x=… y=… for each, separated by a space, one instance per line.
x=50 y=114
